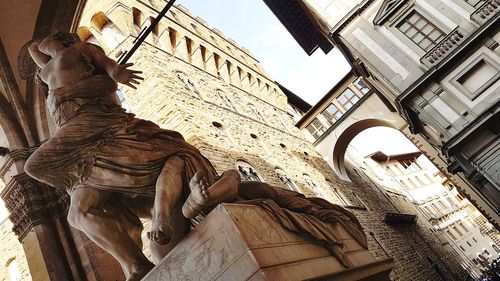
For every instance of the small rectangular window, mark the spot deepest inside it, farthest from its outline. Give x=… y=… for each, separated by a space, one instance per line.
x=479 y=78
x=347 y=99
x=361 y=85
x=316 y=128
x=332 y=113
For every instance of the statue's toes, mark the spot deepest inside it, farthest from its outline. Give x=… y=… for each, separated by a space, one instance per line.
x=195 y=180
x=161 y=238
x=162 y=235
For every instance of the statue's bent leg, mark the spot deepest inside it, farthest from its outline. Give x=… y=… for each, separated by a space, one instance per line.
x=168 y=193
x=86 y=214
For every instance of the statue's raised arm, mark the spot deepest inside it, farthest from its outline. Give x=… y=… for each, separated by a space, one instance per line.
x=63 y=59
x=119 y=73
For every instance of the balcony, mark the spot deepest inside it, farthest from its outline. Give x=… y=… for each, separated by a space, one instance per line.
x=399 y=219
x=443 y=48
x=486 y=11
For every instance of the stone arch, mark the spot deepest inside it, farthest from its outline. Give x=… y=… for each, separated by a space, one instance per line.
x=348 y=135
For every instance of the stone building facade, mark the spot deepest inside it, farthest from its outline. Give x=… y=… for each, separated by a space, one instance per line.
x=434 y=61
x=204 y=85
x=441 y=204
x=219 y=97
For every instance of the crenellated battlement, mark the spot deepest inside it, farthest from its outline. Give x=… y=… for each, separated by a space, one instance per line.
x=182 y=35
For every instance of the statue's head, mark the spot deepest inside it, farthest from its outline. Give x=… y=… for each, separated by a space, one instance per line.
x=58 y=39
x=66 y=38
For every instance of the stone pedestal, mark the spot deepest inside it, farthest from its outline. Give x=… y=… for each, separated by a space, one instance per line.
x=242 y=242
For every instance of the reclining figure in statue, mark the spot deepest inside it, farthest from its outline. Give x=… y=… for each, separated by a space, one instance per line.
x=118 y=168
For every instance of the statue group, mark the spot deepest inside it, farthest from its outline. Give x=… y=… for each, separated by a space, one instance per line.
x=118 y=168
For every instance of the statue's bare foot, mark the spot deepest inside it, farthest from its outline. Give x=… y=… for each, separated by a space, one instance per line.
x=139 y=272
x=161 y=230
x=225 y=189
x=198 y=198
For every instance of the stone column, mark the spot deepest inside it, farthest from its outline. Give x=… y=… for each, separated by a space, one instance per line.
x=37 y=213
x=54 y=250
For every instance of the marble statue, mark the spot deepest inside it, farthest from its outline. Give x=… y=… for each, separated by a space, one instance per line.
x=118 y=168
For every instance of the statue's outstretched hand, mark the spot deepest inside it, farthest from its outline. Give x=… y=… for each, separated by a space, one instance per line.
x=126 y=76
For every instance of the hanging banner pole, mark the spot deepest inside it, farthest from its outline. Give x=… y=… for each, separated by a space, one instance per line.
x=144 y=33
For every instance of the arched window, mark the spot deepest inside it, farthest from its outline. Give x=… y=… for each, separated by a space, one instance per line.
x=495 y=247
x=176 y=18
x=316 y=188
x=137 y=19
x=227 y=101
x=156 y=32
x=195 y=28
x=256 y=112
x=340 y=197
x=247 y=172
x=188 y=85
x=286 y=180
x=13 y=269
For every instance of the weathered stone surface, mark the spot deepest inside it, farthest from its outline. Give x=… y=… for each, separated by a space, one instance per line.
x=242 y=242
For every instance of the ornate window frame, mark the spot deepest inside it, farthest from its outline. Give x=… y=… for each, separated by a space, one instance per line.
x=227 y=102
x=247 y=171
x=283 y=177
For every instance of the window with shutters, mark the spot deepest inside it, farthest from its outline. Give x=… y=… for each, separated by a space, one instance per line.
x=420 y=30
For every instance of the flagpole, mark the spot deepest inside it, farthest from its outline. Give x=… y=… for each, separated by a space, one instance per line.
x=144 y=33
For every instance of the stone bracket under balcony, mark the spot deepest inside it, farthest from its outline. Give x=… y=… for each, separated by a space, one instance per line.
x=486 y=11
x=400 y=219
x=443 y=48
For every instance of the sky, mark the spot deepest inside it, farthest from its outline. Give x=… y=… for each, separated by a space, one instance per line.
x=253 y=26
x=394 y=142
